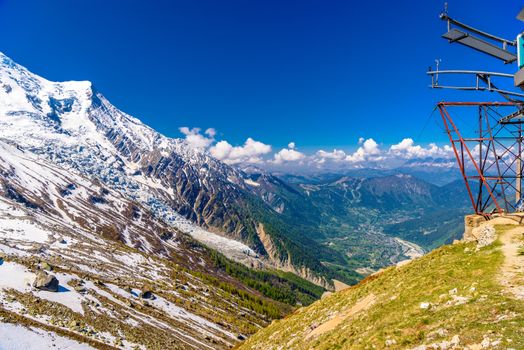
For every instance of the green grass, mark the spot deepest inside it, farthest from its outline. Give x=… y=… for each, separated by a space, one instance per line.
x=397 y=313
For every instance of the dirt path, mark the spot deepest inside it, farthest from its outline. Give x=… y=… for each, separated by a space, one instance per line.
x=512 y=274
x=361 y=305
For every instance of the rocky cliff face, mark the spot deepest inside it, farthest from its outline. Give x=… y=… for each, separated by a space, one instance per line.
x=286 y=264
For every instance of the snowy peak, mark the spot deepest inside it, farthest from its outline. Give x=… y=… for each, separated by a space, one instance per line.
x=75 y=127
x=35 y=107
x=54 y=109
x=27 y=92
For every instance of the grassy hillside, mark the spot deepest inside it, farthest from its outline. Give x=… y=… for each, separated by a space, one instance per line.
x=450 y=296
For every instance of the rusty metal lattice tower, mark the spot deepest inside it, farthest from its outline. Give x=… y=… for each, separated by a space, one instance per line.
x=489 y=156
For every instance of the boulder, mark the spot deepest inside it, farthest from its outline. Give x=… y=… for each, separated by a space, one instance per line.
x=390 y=342
x=425 y=305
x=46 y=282
x=80 y=289
x=147 y=294
x=455 y=341
x=483 y=235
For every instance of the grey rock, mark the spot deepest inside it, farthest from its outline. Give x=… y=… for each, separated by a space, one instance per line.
x=46 y=282
x=485 y=236
x=81 y=289
x=147 y=294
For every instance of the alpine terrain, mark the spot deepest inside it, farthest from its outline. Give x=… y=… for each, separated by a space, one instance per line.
x=113 y=235
x=99 y=231
x=465 y=296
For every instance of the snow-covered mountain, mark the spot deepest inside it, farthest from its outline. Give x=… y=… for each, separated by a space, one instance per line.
x=52 y=218
x=72 y=125
x=113 y=210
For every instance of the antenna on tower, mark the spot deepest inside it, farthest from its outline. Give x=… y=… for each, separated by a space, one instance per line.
x=489 y=44
x=490 y=157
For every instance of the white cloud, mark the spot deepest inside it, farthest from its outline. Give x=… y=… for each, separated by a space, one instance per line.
x=403 y=145
x=211 y=132
x=368 y=151
x=288 y=155
x=407 y=149
x=250 y=152
x=370 y=147
x=221 y=150
x=195 y=139
x=336 y=155
x=256 y=152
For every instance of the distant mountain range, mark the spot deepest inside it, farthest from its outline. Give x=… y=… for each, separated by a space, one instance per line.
x=438 y=171
x=362 y=218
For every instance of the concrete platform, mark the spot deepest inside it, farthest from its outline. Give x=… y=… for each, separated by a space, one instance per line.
x=473 y=223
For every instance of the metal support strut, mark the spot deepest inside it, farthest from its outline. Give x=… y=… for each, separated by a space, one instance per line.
x=489 y=157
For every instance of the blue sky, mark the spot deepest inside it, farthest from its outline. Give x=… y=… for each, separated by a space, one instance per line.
x=319 y=73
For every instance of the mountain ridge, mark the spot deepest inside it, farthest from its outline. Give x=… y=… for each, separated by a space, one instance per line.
x=72 y=124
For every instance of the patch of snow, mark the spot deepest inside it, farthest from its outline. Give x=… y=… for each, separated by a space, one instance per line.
x=251 y=182
x=23 y=230
x=16 y=276
x=16 y=337
x=130 y=259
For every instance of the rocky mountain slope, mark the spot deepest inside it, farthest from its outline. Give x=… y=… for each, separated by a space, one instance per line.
x=462 y=296
x=92 y=252
x=72 y=125
x=318 y=230
x=80 y=260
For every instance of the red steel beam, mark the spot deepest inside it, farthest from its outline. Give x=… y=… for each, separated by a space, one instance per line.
x=443 y=103
x=461 y=166
x=446 y=118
